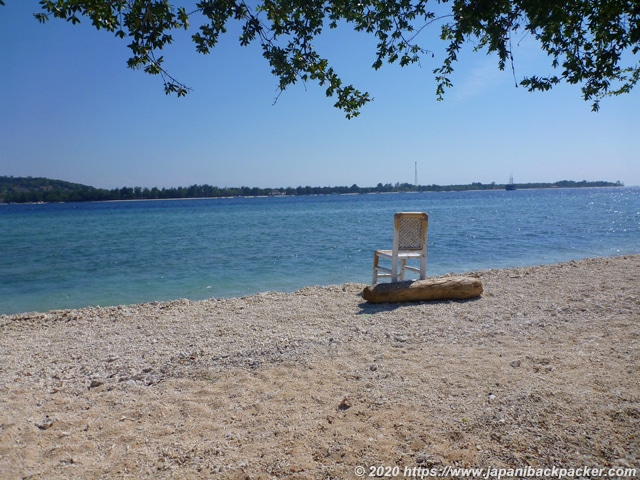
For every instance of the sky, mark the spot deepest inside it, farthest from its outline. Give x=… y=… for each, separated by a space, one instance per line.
x=71 y=110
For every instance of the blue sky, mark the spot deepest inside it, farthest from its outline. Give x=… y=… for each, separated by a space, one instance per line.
x=71 y=110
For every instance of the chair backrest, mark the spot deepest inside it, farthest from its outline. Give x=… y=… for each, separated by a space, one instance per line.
x=410 y=231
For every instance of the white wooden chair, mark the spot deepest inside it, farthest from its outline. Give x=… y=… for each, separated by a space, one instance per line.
x=409 y=243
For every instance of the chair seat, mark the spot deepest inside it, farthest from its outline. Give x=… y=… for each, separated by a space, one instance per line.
x=401 y=254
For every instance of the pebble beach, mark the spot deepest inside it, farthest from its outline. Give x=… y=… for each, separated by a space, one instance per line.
x=542 y=370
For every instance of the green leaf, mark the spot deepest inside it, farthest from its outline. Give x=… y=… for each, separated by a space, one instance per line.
x=587 y=41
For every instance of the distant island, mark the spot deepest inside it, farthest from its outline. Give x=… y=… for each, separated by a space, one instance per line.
x=38 y=190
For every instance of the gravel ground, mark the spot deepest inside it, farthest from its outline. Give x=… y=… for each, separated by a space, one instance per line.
x=542 y=370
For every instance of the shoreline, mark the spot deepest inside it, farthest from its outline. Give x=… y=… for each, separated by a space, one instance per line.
x=541 y=370
x=284 y=292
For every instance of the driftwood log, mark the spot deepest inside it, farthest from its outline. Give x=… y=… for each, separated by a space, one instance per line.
x=443 y=288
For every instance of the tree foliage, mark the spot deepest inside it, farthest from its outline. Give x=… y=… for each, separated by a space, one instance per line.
x=36 y=190
x=590 y=43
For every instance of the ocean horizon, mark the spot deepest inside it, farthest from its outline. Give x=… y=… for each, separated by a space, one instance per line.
x=73 y=255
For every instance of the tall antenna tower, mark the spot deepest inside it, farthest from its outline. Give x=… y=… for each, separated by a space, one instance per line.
x=415 y=178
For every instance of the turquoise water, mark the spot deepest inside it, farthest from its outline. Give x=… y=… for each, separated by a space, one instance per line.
x=73 y=255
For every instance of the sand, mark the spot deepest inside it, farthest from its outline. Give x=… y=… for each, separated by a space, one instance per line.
x=543 y=370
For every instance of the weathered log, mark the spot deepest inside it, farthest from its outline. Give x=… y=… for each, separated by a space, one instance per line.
x=443 y=288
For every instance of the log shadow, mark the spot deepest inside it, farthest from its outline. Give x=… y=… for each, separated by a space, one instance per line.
x=368 y=308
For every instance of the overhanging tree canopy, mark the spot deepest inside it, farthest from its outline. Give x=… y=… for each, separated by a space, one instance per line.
x=591 y=43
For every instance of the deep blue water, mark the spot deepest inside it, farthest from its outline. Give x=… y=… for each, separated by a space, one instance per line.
x=80 y=254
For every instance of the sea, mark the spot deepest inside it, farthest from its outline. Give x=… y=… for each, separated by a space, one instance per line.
x=73 y=255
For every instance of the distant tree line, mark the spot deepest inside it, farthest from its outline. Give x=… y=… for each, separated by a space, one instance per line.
x=36 y=190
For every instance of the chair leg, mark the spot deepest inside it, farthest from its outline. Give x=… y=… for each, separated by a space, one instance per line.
x=394 y=269
x=403 y=269
x=376 y=259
